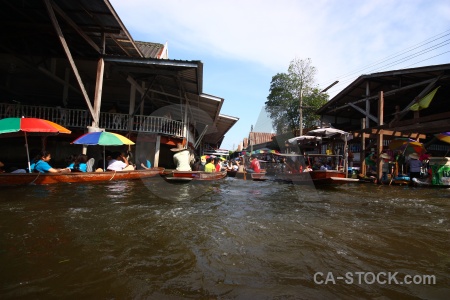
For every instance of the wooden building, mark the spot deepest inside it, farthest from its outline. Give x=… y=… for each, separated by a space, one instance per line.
x=386 y=105
x=75 y=63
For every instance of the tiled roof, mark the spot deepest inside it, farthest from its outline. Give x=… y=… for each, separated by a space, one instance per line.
x=151 y=50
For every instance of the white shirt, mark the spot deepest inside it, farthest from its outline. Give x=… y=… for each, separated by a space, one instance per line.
x=182 y=160
x=116 y=165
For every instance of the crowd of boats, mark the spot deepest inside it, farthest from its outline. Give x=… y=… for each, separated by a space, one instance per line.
x=298 y=165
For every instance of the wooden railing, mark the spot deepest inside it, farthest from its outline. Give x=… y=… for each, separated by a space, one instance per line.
x=79 y=118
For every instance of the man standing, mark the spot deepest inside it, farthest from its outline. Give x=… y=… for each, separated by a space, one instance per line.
x=182 y=158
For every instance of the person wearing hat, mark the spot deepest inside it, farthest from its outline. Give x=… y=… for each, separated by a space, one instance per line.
x=201 y=167
x=415 y=166
x=385 y=165
x=182 y=158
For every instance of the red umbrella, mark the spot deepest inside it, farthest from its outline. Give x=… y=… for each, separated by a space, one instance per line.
x=15 y=126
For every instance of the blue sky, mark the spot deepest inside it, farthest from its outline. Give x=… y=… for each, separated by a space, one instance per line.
x=242 y=44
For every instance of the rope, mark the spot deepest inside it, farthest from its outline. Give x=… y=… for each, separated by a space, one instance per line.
x=113 y=176
x=39 y=173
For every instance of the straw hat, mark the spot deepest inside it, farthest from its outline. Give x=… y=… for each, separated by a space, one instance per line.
x=414 y=156
x=385 y=156
x=178 y=148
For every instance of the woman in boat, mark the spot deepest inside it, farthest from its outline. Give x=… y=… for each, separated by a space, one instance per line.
x=41 y=164
x=143 y=163
x=79 y=164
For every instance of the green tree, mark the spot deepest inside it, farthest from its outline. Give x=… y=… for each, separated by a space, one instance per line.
x=283 y=101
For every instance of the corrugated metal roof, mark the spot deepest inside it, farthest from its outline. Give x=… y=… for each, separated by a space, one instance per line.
x=399 y=87
x=84 y=23
x=260 y=137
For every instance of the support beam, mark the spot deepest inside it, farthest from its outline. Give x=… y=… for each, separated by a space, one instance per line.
x=389 y=93
x=98 y=92
x=76 y=27
x=362 y=154
x=69 y=57
x=364 y=112
x=425 y=91
x=372 y=133
x=380 y=136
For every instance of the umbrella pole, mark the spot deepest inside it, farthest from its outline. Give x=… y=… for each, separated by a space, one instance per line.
x=104 y=160
x=28 y=153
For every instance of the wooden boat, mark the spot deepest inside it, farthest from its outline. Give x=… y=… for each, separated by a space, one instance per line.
x=15 y=179
x=231 y=173
x=188 y=176
x=330 y=176
x=319 y=177
x=259 y=176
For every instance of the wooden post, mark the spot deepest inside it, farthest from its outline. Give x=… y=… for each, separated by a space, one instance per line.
x=362 y=154
x=131 y=108
x=380 y=136
x=157 y=147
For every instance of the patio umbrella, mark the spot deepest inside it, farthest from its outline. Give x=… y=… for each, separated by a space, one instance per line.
x=42 y=127
x=443 y=136
x=103 y=138
x=407 y=146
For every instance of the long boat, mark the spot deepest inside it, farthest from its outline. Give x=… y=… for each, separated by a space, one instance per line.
x=317 y=177
x=15 y=179
x=187 y=176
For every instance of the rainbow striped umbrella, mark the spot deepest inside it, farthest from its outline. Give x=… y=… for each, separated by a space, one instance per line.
x=443 y=136
x=103 y=138
x=15 y=126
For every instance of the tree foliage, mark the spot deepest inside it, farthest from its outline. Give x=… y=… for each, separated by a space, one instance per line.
x=283 y=101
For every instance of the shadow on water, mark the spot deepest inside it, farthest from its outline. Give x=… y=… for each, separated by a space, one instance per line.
x=228 y=239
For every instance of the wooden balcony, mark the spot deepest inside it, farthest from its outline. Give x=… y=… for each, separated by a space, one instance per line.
x=79 y=118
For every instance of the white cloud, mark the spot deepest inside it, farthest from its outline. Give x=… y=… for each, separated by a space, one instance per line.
x=344 y=38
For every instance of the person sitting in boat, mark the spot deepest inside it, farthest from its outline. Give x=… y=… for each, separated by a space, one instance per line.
x=307 y=168
x=254 y=165
x=182 y=158
x=218 y=164
x=370 y=161
x=40 y=164
x=385 y=165
x=143 y=163
x=201 y=165
x=210 y=167
x=119 y=163
x=103 y=162
x=79 y=164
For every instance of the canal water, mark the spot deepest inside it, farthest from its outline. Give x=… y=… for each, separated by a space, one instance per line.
x=232 y=239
